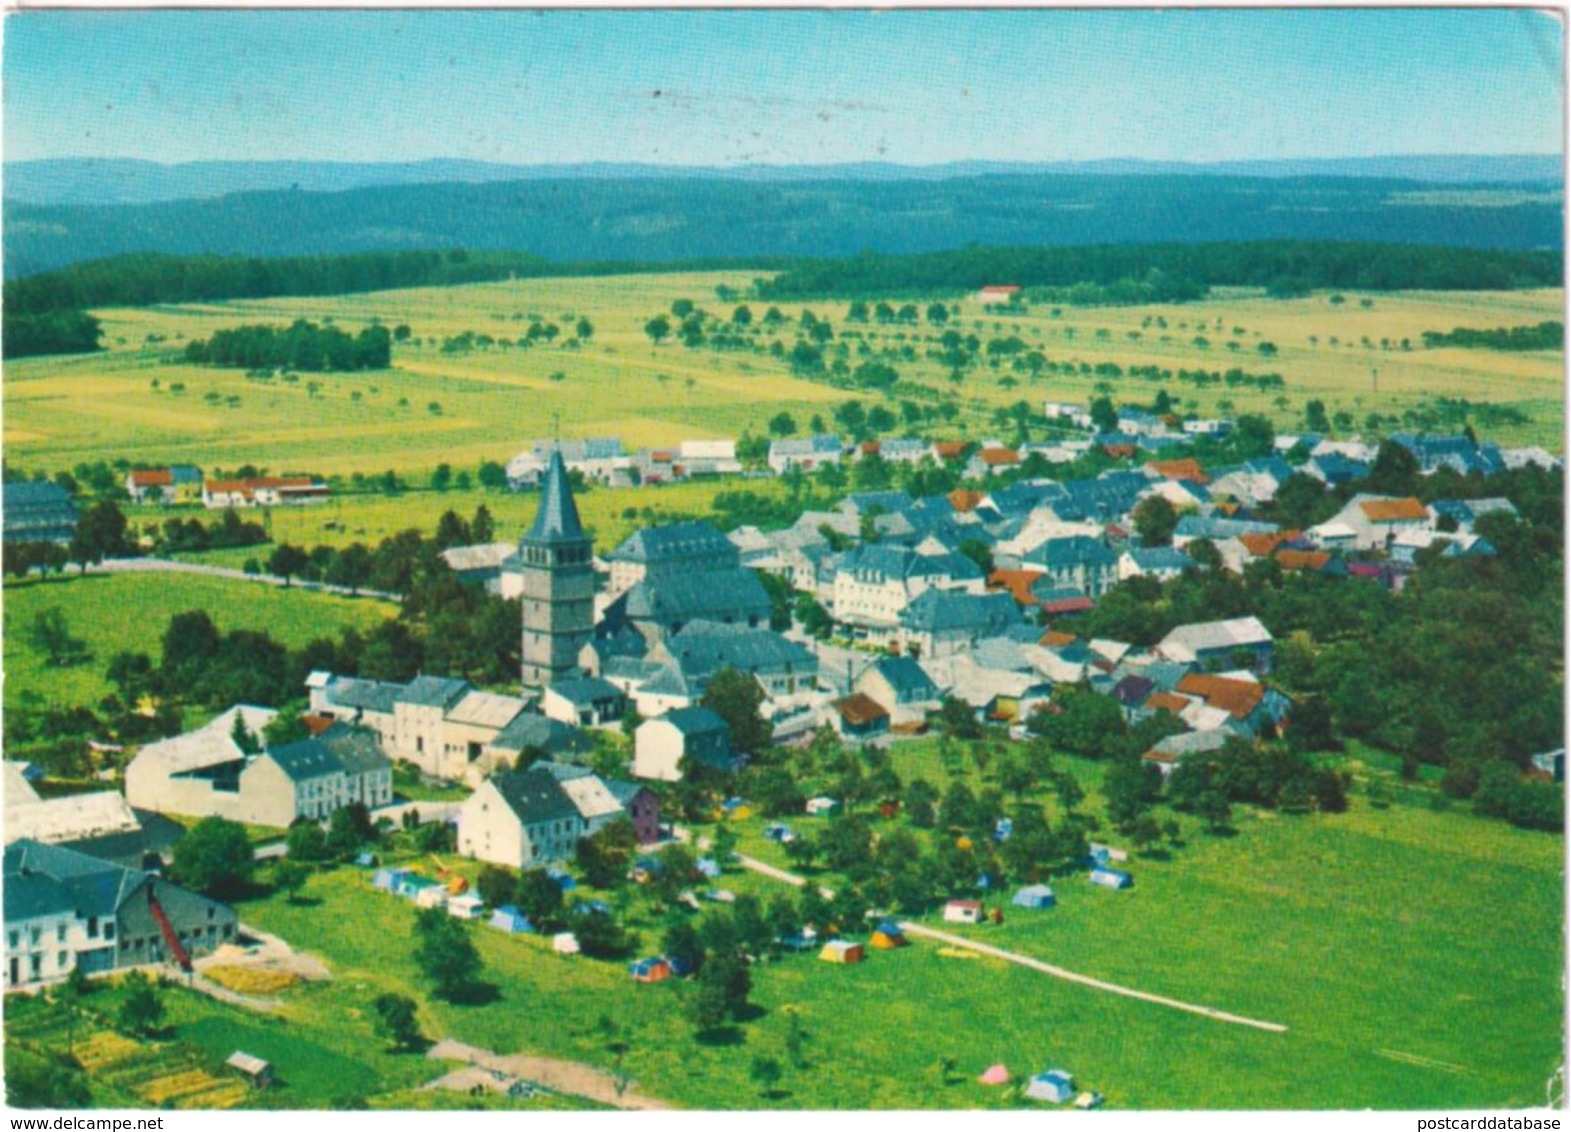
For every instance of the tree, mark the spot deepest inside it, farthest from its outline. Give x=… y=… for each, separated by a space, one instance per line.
x=538 y=896
x=492 y=476
x=289 y=877
x=604 y=856
x=601 y=937
x=446 y=955
x=978 y=551
x=214 y=857
x=50 y=634
x=765 y=1073
x=585 y=329
x=1103 y=416
x=1155 y=520
x=142 y=1009
x=306 y=842
x=100 y=533
x=658 y=329
x=736 y=697
x=344 y=833
x=782 y=424
x=1315 y=418
x=396 y=1019
x=681 y=943
x=287 y=561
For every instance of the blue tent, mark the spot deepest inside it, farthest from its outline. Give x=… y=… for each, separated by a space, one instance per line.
x=585 y=907
x=366 y=860
x=1056 y=1086
x=389 y=878
x=780 y=832
x=681 y=968
x=510 y=919
x=563 y=880
x=1035 y=896
x=1003 y=829
x=708 y=866
x=1112 y=878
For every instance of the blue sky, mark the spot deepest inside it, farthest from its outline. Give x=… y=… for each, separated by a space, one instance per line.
x=781 y=87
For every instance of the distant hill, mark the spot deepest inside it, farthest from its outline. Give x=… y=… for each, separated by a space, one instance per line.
x=71 y=181
x=660 y=219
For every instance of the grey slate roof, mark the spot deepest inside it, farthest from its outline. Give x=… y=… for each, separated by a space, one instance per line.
x=531 y=730
x=367 y=695
x=307 y=759
x=685 y=597
x=705 y=647
x=557 y=519
x=907 y=678
x=1160 y=558
x=898 y=563
x=433 y=691
x=942 y=610
x=41 y=880
x=1076 y=550
x=357 y=749
x=587 y=691
x=695 y=721
x=1209 y=527
x=535 y=795
x=675 y=541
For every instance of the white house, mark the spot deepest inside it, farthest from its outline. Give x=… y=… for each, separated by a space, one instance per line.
x=1376 y=519
x=695 y=733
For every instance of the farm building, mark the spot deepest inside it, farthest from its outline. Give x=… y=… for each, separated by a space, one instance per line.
x=964 y=912
x=253 y=1069
x=998 y=293
x=1035 y=896
x=1055 y=1086
x=888 y=936
x=653 y=970
x=509 y=919
x=1111 y=878
x=842 y=951
x=861 y=717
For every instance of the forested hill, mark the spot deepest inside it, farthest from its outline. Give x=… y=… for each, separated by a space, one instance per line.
x=660 y=218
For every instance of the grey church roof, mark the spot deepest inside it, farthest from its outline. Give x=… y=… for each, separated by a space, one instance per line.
x=684 y=597
x=676 y=540
x=557 y=519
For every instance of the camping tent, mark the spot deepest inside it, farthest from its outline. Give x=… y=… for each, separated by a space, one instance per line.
x=388 y=878
x=1111 y=878
x=780 y=832
x=564 y=943
x=822 y=807
x=467 y=906
x=431 y=896
x=653 y=970
x=563 y=880
x=842 y=951
x=888 y=936
x=708 y=867
x=366 y=860
x=963 y=912
x=994 y=1075
x=1056 y=1085
x=509 y=919
x=1035 y=896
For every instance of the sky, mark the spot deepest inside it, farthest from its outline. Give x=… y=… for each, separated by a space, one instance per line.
x=780 y=87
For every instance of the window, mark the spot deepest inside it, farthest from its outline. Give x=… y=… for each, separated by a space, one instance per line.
x=15 y=939
x=63 y=960
x=32 y=935
x=109 y=931
x=59 y=933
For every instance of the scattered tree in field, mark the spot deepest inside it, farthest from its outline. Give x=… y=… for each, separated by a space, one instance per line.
x=50 y=634
x=142 y=1010
x=658 y=329
x=396 y=1019
x=765 y=1072
x=289 y=877
x=447 y=956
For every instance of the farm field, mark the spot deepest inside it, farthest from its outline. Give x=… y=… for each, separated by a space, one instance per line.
x=129 y=612
x=1321 y=924
x=63 y=410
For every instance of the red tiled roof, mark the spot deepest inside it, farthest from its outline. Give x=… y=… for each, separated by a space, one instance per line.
x=1119 y=451
x=1017 y=582
x=1261 y=545
x=152 y=477
x=1167 y=701
x=1052 y=639
x=1236 y=697
x=870 y=447
x=1069 y=605
x=1189 y=470
x=1290 y=559
x=860 y=709
x=1393 y=510
x=963 y=500
x=950 y=449
x=997 y=457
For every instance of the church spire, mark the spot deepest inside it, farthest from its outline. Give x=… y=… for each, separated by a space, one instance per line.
x=557 y=520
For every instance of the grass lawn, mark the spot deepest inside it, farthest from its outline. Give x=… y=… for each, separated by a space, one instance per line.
x=129 y=612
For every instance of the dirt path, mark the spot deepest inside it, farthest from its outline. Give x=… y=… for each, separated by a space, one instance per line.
x=1034 y=964
x=569 y=1077
x=170 y=566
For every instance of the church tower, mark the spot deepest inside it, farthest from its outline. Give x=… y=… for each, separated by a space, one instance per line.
x=559 y=584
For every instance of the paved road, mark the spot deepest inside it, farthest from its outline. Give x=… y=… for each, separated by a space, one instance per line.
x=168 y=566
x=1015 y=957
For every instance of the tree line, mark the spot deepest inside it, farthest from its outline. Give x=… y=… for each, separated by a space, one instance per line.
x=1286 y=267
x=303 y=346
x=1544 y=336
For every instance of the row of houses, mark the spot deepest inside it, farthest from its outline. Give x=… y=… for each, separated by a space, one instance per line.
x=604 y=460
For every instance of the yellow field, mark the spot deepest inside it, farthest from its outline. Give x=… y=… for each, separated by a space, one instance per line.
x=59 y=411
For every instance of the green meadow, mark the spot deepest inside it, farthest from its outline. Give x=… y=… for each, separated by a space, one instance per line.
x=434 y=406
x=129 y=612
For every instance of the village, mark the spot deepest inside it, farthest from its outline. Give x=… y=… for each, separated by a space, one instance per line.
x=656 y=672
